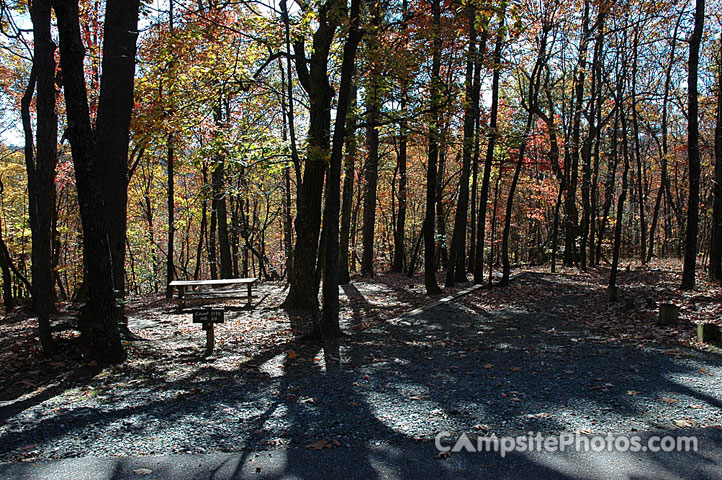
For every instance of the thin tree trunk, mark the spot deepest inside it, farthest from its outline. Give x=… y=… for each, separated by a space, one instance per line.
x=170 y=265
x=715 y=248
x=664 y=187
x=348 y=188
x=690 y=252
x=371 y=166
x=638 y=155
x=432 y=287
x=328 y=325
x=203 y=227
x=493 y=135
x=456 y=269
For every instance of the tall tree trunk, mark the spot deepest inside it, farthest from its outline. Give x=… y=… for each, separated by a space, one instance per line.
x=212 y=254
x=41 y=169
x=596 y=120
x=102 y=192
x=533 y=107
x=664 y=187
x=506 y=268
x=170 y=265
x=349 y=172
x=203 y=228
x=441 y=243
x=573 y=152
x=313 y=76
x=493 y=135
x=456 y=271
x=638 y=156
x=609 y=185
x=328 y=325
x=8 y=300
x=371 y=166
x=619 y=215
x=690 y=251
x=715 y=249
x=399 y=263
x=586 y=152
x=170 y=165
x=286 y=202
x=112 y=129
x=219 y=197
x=432 y=287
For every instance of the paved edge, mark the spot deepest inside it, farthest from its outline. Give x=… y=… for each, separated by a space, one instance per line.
x=408 y=460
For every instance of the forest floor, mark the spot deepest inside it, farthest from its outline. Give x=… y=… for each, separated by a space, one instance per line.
x=546 y=354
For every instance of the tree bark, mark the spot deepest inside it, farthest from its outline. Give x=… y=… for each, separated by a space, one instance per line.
x=102 y=192
x=573 y=152
x=41 y=172
x=715 y=250
x=399 y=263
x=456 y=271
x=432 y=287
x=219 y=197
x=328 y=325
x=371 y=166
x=493 y=135
x=664 y=187
x=690 y=251
x=313 y=76
x=349 y=173
x=112 y=128
x=169 y=264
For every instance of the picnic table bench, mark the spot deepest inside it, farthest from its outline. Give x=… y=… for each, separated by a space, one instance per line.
x=207 y=291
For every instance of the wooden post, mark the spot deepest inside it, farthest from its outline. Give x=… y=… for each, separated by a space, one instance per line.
x=708 y=332
x=210 y=339
x=668 y=314
x=250 y=296
x=181 y=296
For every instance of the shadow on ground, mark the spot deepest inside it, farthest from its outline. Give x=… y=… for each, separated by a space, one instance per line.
x=506 y=370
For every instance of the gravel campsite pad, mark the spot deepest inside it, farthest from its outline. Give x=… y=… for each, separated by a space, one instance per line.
x=541 y=355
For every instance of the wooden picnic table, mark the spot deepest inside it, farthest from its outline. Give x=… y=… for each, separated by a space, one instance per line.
x=206 y=291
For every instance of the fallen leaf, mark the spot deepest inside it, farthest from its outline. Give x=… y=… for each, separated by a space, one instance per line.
x=540 y=415
x=669 y=400
x=321 y=444
x=684 y=423
x=142 y=471
x=291 y=354
x=633 y=392
x=443 y=455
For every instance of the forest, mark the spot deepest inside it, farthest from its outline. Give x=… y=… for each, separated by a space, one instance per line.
x=317 y=142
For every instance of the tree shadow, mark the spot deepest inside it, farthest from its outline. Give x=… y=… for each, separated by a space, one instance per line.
x=511 y=369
